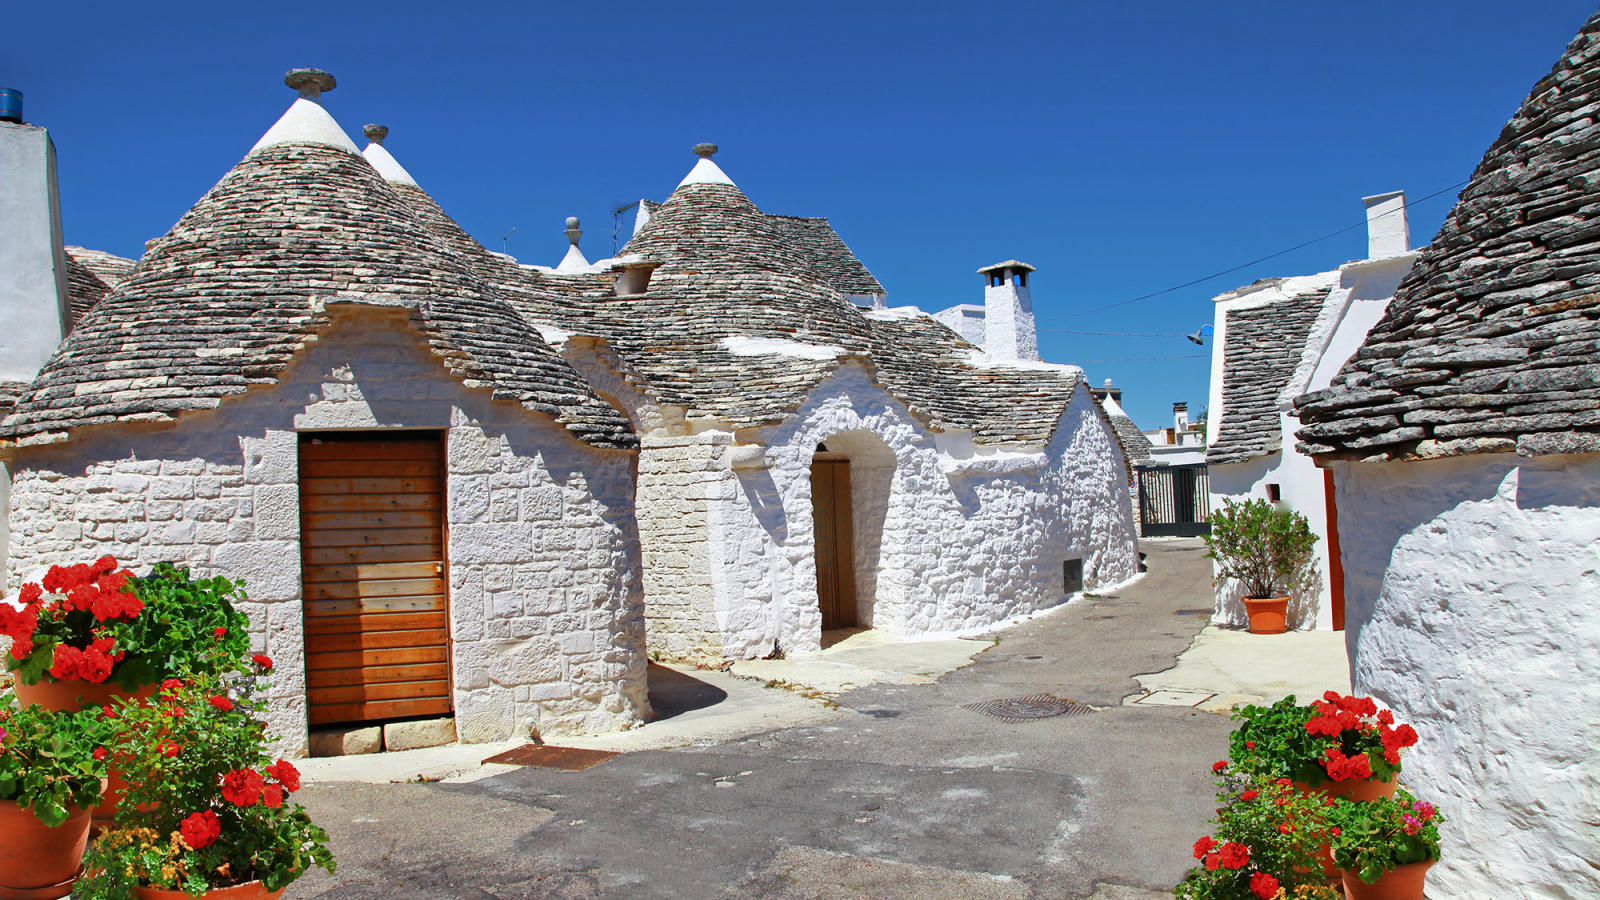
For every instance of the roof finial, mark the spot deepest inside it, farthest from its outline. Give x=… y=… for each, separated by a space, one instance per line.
x=375 y=133
x=705 y=151
x=573 y=231
x=310 y=83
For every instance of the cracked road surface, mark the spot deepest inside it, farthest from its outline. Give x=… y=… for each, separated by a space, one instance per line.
x=907 y=796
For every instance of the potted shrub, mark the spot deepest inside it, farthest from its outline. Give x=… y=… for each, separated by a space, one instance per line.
x=51 y=766
x=1385 y=847
x=85 y=633
x=1341 y=745
x=1267 y=550
x=213 y=816
x=1264 y=845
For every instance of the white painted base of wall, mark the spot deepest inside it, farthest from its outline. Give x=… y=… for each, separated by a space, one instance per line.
x=1472 y=588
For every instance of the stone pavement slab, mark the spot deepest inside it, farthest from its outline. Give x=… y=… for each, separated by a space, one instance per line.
x=1236 y=667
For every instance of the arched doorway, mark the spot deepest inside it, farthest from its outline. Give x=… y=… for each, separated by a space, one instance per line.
x=833 y=521
x=851 y=479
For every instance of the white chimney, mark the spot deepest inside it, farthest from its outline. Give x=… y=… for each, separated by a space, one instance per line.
x=1180 y=420
x=1008 y=331
x=33 y=266
x=1388 y=233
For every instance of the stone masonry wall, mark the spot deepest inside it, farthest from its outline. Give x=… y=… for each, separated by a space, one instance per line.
x=1470 y=591
x=546 y=617
x=966 y=541
x=677 y=475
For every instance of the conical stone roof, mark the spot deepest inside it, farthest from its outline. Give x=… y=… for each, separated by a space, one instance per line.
x=727 y=273
x=1492 y=341
x=240 y=284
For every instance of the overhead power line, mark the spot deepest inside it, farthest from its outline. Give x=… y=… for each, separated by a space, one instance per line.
x=1144 y=358
x=1114 y=333
x=1231 y=269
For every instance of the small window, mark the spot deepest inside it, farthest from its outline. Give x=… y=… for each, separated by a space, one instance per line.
x=633 y=281
x=996 y=279
x=1020 y=279
x=1071 y=576
x=1272 y=493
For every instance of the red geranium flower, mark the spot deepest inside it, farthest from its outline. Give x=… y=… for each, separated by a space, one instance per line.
x=222 y=703
x=262 y=660
x=272 y=796
x=170 y=684
x=201 y=829
x=1234 y=855
x=286 y=775
x=1219 y=765
x=218 y=632
x=1203 y=846
x=99 y=753
x=1212 y=861
x=1249 y=795
x=1263 y=885
x=242 y=787
x=170 y=749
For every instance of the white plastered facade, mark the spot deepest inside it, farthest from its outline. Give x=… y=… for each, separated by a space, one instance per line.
x=1470 y=609
x=546 y=616
x=1360 y=292
x=948 y=538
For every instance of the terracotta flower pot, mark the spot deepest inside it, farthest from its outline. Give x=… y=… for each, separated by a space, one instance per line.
x=250 y=890
x=1268 y=615
x=38 y=862
x=1400 y=883
x=1363 y=790
x=73 y=694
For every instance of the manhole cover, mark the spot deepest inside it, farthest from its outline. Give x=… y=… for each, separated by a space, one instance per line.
x=544 y=756
x=1027 y=709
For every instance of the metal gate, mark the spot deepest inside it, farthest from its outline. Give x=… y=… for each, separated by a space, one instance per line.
x=1174 y=500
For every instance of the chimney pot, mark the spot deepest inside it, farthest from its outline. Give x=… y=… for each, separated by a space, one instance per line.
x=375 y=133
x=705 y=151
x=10 y=105
x=310 y=83
x=1388 y=232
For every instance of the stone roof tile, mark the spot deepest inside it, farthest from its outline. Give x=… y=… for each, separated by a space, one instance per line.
x=1261 y=347
x=240 y=285
x=1491 y=341
x=91 y=274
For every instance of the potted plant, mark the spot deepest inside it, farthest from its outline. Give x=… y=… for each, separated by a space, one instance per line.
x=1341 y=745
x=1385 y=847
x=51 y=766
x=88 y=632
x=212 y=815
x=1267 y=550
x=1264 y=845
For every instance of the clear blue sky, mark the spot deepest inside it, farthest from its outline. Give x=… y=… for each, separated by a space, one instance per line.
x=1120 y=148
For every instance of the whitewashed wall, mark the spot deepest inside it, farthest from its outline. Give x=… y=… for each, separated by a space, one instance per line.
x=1360 y=292
x=1472 y=589
x=967 y=540
x=547 y=624
x=1301 y=489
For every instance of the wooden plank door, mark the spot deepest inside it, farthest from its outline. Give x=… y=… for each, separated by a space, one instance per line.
x=373 y=576
x=835 y=538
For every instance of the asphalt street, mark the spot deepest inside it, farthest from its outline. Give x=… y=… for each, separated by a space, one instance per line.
x=907 y=795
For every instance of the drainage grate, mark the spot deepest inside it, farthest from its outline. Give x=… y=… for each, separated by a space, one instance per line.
x=1027 y=709
x=544 y=756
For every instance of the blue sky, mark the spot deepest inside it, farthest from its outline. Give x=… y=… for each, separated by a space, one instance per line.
x=1119 y=150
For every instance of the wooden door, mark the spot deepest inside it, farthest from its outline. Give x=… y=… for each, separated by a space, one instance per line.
x=835 y=536
x=1335 y=557
x=373 y=576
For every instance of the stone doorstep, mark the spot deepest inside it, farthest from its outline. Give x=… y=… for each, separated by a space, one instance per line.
x=377 y=738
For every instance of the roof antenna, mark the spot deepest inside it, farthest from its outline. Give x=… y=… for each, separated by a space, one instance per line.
x=617 y=209
x=507 y=237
